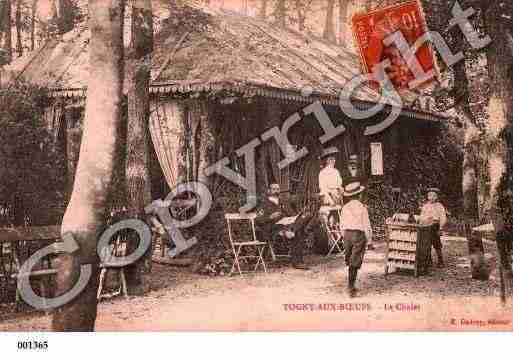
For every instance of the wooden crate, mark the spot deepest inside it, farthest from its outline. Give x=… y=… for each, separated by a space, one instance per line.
x=408 y=246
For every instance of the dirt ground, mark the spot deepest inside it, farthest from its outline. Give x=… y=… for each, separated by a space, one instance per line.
x=290 y=299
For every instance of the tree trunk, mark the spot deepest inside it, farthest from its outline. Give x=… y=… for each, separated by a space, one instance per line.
x=329 y=30
x=262 y=13
x=343 y=8
x=66 y=17
x=74 y=128
x=137 y=165
x=33 y=10
x=268 y=153
x=5 y=32
x=202 y=141
x=52 y=20
x=478 y=265
x=469 y=184
x=281 y=13
x=19 y=43
x=301 y=20
x=462 y=94
x=500 y=68
x=85 y=216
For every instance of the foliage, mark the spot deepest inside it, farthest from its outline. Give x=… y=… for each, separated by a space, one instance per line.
x=425 y=158
x=28 y=166
x=70 y=14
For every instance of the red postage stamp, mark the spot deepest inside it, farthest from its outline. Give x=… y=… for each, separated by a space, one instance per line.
x=371 y=28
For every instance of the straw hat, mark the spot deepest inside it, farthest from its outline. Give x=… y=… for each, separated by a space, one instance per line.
x=329 y=152
x=353 y=189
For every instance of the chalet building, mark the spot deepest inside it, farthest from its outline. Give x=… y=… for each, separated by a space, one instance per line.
x=220 y=79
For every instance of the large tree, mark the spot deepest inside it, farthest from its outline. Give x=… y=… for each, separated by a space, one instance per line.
x=499 y=25
x=85 y=215
x=18 y=25
x=343 y=14
x=280 y=12
x=5 y=32
x=262 y=11
x=461 y=97
x=68 y=11
x=302 y=9
x=329 y=29
x=33 y=11
x=137 y=161
x=491 y=133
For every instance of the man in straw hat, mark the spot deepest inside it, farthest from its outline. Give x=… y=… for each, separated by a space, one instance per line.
x=433 y=212
x=330 y=181
x=357 y=231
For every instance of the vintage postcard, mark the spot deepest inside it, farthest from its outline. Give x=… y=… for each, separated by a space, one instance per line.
x=255 y=165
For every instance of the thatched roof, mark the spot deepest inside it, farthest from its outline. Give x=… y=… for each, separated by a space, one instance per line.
x=202 y=49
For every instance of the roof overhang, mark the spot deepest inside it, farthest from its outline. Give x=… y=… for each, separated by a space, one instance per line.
x=249 y=90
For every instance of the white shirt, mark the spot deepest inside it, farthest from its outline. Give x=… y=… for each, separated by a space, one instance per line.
x=329 y=180
x=433 y=212
x=355 y=216
x=274 y=200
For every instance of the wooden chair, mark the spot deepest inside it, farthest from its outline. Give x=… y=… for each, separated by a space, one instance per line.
x=16 y=247
x=237 y=244
x=162 y=237
x=111 y=260
x=333 y=230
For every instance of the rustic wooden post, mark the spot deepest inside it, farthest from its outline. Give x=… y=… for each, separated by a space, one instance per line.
x=267 y=117
x=73 y=141
x=202 y=142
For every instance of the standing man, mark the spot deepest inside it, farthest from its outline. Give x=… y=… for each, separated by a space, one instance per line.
x=357 y=231
x=433 y=212
x=352 y=173
x=330 y=181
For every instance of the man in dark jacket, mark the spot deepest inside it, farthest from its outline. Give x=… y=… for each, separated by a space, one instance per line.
x=352 y=172
x=272 y=211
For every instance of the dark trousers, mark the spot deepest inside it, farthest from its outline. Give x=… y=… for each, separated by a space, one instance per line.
x=297 y=248
x=302 y=228
x=355 y=244
x=296 y=244
x=435 y=236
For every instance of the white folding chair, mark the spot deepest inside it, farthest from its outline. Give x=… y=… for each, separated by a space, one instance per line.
x=333 y=230
x=238 y=245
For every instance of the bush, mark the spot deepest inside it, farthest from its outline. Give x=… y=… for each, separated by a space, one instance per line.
x=29 y=168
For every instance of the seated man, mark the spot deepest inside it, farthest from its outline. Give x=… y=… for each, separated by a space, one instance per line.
x=271 y=212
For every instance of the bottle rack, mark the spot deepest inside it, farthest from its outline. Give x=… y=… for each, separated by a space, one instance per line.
x=408 y=247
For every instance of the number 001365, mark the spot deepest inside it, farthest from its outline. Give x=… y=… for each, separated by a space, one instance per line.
x=32 y=345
